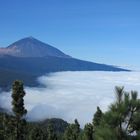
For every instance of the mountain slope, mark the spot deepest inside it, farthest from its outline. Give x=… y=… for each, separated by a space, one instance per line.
x=29 y=58
x=8 y=76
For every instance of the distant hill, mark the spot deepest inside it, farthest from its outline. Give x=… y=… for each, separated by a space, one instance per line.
x=59 y=125
x=29 y=58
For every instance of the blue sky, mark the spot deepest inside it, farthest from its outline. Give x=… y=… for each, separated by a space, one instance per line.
x=105 y=31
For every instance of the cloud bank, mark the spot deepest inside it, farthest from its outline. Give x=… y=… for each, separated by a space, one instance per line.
x=71 y=95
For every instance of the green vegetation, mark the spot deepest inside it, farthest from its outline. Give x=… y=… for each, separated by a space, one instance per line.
x=72 y=132
x=18 y=110
x=120 y=122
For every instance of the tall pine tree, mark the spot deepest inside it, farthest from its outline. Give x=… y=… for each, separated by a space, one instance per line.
x=97 y=117
x=18 y=110
x=88 y=132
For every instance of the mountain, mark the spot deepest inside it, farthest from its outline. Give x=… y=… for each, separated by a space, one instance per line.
x=30 y=58
x=31 y=47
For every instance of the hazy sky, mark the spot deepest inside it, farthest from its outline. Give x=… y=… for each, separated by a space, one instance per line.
x=106 y=31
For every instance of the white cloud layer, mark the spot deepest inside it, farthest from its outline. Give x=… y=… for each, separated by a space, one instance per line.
x=71 y=95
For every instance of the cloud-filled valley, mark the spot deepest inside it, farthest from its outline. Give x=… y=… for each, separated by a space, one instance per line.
x=70 y=95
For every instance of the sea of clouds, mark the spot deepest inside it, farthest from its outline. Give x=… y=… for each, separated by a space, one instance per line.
x=70 y=95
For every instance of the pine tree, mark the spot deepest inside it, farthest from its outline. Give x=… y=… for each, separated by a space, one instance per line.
x=123 y=117
x=88 y=132
x=77 y=129
x=68 y=135
x=73 y=131
x=18 y=109
x=104 y=132
x=97 y=117
x=51 y=133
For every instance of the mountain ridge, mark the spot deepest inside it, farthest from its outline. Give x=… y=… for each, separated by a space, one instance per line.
x=27 y=65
